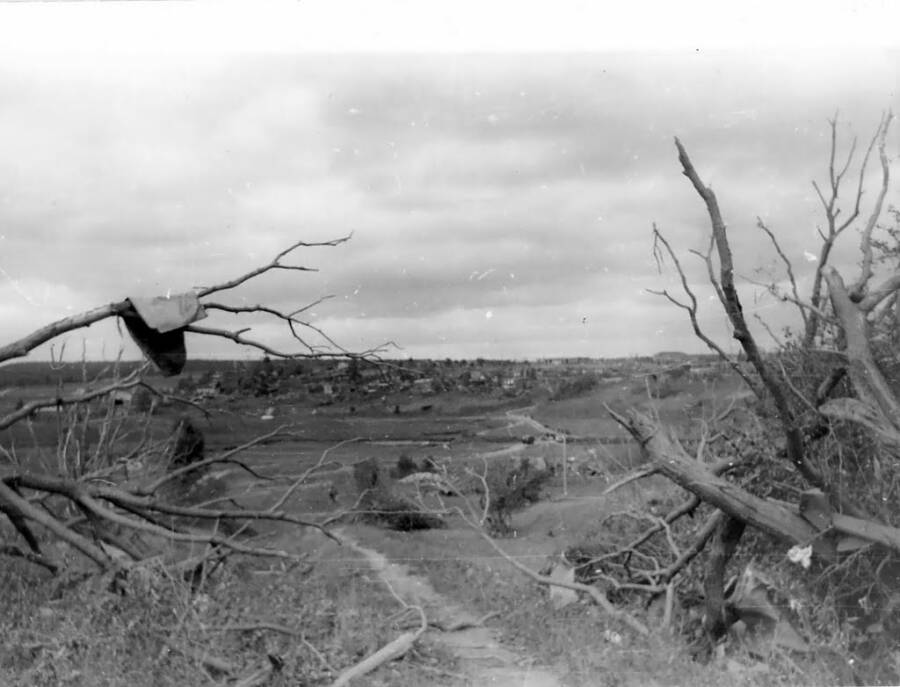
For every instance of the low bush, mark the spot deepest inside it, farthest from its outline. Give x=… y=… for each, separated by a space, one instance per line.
x=157 y=629
x=405 y=466
x=189 y=445
x=512 y=484
x=576 y=387
x=365 y=474
x=380 y=505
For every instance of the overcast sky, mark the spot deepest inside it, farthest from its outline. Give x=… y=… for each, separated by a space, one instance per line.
x=501 y=202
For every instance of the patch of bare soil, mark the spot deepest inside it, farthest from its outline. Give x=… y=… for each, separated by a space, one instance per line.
x=485 y=661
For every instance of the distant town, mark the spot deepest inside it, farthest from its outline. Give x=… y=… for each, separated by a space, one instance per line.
x=337 y=381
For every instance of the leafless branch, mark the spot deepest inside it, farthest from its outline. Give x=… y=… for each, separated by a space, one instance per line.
x=884 y=290
x=710 y=270
x=691 y=308
x=734 y=310
x=788 y=266
x=697 y=545
x=237 y=337
x=868 y=380
x=30 y=556
x=858 y=289
x=253 y=626
x=222 y=458
x=12 y=502
x=275 y=264
x=833 y=228
x=595 y=594
x=628 y=479
x=22 y=347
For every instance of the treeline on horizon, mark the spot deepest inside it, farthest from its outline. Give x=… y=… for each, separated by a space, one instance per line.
x=42 y=373
x=38 y=373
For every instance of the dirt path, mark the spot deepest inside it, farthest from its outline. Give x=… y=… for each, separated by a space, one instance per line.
x=484 y=660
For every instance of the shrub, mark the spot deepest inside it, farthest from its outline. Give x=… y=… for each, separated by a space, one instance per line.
x=512 y=485
x=365 y=474
x=381 y=506
x=405 y=466
x=576 y=387
x=142 y=400
x=189 y=446
x=397 y=513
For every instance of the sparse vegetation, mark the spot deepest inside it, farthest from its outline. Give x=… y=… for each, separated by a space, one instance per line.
x=509 y=486
x=657 y=576
x=189 y=445
x=579 y=386
x=405 y=466
x=379 y=503
x=820 y=436
x=571 y=639
x=309 y=622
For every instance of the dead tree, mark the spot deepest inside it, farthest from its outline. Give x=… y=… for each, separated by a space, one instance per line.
x=850 y=396
x=116 y=519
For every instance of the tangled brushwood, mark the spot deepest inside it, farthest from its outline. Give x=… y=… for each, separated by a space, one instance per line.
x=106 y=491
x=808 y=467
x=110 y=482
x=509 y=485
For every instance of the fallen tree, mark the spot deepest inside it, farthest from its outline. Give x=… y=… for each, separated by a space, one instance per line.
x=88 y=498
x=825 y=463
x=785 y=521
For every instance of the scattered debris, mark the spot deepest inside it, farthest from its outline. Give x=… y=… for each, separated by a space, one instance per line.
x=761 y=620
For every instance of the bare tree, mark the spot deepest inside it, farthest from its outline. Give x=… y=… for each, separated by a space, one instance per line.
x=826 y=390
x=114 y=518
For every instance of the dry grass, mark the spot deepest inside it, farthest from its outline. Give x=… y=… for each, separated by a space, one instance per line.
x=93 y=636
x=579 y=642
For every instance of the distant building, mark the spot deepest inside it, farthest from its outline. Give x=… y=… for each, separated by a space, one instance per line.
x=478 y=377
x=376 y=387
x=423 y=386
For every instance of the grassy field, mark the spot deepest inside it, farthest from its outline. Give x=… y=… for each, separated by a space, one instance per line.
x=90 y=636
x=154 y=634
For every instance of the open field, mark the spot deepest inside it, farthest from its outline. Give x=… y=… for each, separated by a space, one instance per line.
x=576 y=645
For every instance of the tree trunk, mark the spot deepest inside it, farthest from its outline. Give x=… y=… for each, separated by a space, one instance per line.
x=728 y=534
x=782 y=520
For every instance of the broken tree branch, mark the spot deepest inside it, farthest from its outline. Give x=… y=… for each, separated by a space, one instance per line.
x=777 y=518
x=274 y=264
x=735 y=312
x=595 y=594
x=22 y=347
x=664 y=452
x=691 y=308
x=858 y=289
x=788 y=266
x=868 y=381
x=834 y=230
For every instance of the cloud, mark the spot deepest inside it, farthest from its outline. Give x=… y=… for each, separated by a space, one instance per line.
x=524 y=185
